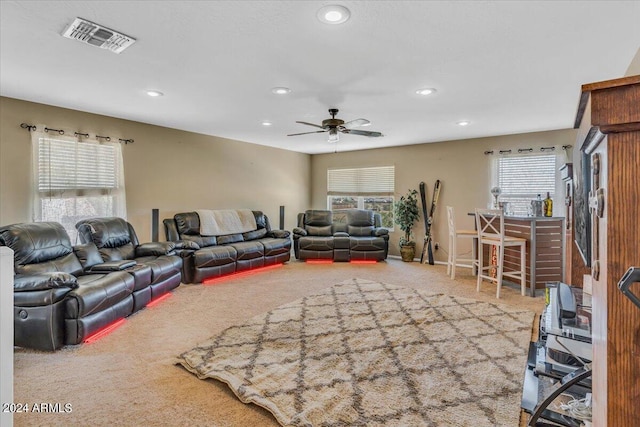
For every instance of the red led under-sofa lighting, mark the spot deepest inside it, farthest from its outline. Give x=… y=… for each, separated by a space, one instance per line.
x=363 y=261
x=104 y=331
x=319 y=261
x=159 y=300
x=215 y=280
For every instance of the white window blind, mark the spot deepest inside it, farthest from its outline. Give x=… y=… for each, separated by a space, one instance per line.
x=361 y=181
x=70 y=165
x=522 y=178
x=75 y=179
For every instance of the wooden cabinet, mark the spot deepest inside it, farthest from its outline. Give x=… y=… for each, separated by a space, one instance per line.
x=611 y=112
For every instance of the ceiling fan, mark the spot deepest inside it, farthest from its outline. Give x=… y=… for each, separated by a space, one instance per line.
x=334 y=126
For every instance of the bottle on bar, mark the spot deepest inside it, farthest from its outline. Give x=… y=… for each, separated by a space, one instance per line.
x=548 y=205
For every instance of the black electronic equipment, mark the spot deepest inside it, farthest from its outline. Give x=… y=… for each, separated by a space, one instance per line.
x=567 y=301
x=631 y=276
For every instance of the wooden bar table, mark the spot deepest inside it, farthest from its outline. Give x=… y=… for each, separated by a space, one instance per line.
x=545 y=248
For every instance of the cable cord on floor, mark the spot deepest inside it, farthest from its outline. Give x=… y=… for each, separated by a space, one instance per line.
x=578 y=408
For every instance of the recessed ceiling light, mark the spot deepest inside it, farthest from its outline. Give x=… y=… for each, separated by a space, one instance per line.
x=154 y=93
x=266 y=123
x=281 y=90
x=463 y=123
x=333 y=14
x=426 y=91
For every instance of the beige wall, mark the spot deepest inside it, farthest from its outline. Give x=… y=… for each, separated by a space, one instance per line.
x=175 y=171
x=168 y=169
x=461 y=166
x=634 y=67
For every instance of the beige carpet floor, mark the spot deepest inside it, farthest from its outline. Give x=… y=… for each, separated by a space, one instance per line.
x=129 y=377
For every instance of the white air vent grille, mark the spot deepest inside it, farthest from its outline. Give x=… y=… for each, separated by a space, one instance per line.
x=98 y=35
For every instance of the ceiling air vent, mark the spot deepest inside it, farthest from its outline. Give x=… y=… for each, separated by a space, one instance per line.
x=98 y=35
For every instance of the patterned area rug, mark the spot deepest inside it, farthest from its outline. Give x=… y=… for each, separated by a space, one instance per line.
x=362 y=353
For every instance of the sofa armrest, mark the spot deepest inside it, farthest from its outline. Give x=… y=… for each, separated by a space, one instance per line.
x=299 y=231
x=44 y=281
x=155 y=249
x=280 y=234
x=186 y=244
x=378 y=232
x=112 y=266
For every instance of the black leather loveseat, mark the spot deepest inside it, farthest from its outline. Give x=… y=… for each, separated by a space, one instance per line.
x=350 y=234
x=56 y=302
x=214 y=254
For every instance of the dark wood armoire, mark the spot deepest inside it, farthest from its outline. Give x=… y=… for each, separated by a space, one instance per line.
x=607 y=164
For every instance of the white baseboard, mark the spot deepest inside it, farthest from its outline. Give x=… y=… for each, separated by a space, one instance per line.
x=416 y=259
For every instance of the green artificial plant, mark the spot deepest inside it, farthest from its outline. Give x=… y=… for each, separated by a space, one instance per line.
x=405 y=212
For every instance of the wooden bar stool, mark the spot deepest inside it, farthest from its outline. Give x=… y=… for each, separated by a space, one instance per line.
x=453 y=260
x=490 y=225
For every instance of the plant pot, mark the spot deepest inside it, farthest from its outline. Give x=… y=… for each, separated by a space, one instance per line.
x=408 y=252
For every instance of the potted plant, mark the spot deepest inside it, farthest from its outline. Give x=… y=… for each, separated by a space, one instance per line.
x=405 y=213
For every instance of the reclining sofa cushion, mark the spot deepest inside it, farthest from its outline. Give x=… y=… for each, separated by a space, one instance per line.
x=116 y=240
x=97 y=292
x=360 y=222
x=313 y=237
x=256 y=234
x=187 y=225
x=99 y=300
x=40 y=247
x=44 y=281
x=318 y=223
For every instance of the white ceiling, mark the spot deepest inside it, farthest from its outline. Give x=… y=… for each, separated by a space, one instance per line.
x=506 y=66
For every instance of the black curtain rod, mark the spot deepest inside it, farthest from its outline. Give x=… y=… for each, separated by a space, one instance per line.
x=32 y=128
x=526 y=150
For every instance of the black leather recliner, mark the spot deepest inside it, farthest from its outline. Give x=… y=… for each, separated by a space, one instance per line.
x=55 y=301
x=367 y=240
x=116 y=240
x=316 y=236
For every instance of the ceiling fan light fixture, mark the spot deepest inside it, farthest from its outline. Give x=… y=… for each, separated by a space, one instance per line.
x=281 y=90
x=333 y=14
x=426 y=91
x=334 y=136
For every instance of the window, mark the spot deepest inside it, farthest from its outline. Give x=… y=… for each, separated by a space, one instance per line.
x=522 y=178
x=76 y=180
x=363 y=188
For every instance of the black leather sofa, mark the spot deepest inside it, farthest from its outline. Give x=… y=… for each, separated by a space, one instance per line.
x=57 y=302
x=113 y=239
x=214 y=256
x=350 y=234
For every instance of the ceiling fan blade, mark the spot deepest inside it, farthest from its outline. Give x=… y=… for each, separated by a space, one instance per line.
x=306 y=133
x=356 y=123
x=363 y=132
x=310 y=124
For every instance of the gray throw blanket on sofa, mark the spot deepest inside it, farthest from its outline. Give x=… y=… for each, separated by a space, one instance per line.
x=223 y=222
